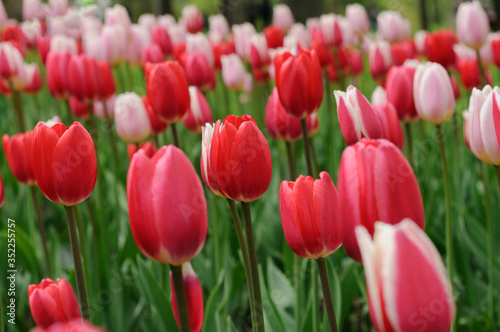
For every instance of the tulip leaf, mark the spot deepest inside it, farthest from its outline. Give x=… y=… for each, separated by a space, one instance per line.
x=211 y=304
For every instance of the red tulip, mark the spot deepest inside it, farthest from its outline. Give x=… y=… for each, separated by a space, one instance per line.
x=84 y=78
x=198 y=71
x=399 y=88
x=258 y=55
x=379 y=59
x=402 y=51
x=194 y=297
x=308 y=210
x=299 y=82
x=152 y=54
x=397 y=259
x=157 y=125
x=65 y=163
x=389 y=120
x=107 y=81
x=439 y=47
x=52 y=302
x=274 y=36
x=167 y=206
x=235 y=159
x=33 y=79
x=199 y=112
x=57 y=74
x=220 y=50
x=162 y=38
x=168 y=91
x=43 y=46
x=375 y=183
x=149 y=148
x=19 y=153
x=469 y=74
x=79 y=108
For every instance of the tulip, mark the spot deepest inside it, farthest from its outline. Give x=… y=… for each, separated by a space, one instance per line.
x=79 y=108
x=392 y=27
x=379 y=96
x=131 y=119
x=62 y=43
x=274 y=36
x=469 y=73
x=241 y=36
x=420 y=40
x=233 y=71
x=356 y=116
x=177 y=33
x=91 y=44
x=19 y=153
x=64 y=162
x=358 y=18
x=140 y=39
x=258 y=52
x=283 y=17
x=331 y=30
x=52 y=302
x=32 y=9
x=84 y=78
x=199 y=42
x=378 y=169
x=433 y=93
x=167 y=206
x=379 y=59
x=157 y=125
x=147 y=20
x=105 y=109
x=57 y=79
x=192 y=19
x=162 y=39
x=43 y=46
x=308 y=210
x=117 y=15
x=3 y=16
x=299 y=82
x=486 y=51
x=300 y=33
x=483 y=122
x=199 y=113
x=167 y=90
x=218 y=28
x=76 y=325
x=107 y=86
x=402 y=51
x=219 y=50
x=199 y=72
x=114 y=44
x=194 y=297
x=152 y=54
x=397 y=258
x=472 y=24
x=11 y=64
x=32 y=30
x=148 y=147
x=235 y=159
x=391 y=128
x=399 y=87
x=33 y=79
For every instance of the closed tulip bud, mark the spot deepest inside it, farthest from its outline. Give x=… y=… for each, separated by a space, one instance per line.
x=402 y=51
x=105 y=109
x=32 y=30
x=147 y=20
x=107 y=81
x=199 y=42
x=258 y=52
x=331 y=30
x=177 y=34
x=379 y=59
x=76 y=325
x=379 y=96
x=33 y=79
x=379 y=170
x=11 y=62
x=419 y=38
x=3 y=16
x=274 y=36
x=32 y=9
x=148 y=147
x=84 y=78
x=157 y=125
x=472 y=24
x=114 y=44
x=241 y=36
x=194 y=297
x=356 y=116
x=235 y=159
x=152 y=54
x=52 y=302
x=199 y=113
x=283 y=17
x=62 y=43
x=167 y=90
x=391 y=128
x=140 y=39
x=299 y=81
x=233 y=71
x=91 y=44
x=192 y=19
x=218 y=28
x=398 y=257
x=433 y=93
x=79 y=108
x=131 y=119
x=221 y=49
x=198 y=71
x=43 y=47
x=358 y=18
x=393 y=27
x=56 y=70
x=399 y=87
x=308 y=210
x=167 y=206
x=65 y=163
x=117 y=15
x=483 y=122
x=162 y=39
x=18 y=150
x=469 y=73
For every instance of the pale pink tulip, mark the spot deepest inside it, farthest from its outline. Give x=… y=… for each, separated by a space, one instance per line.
x=199 y=42
x=358 y=18
x=218 y=28
x=283 y=17
x=131 y=119
x=233 y=71
x=393 y=27
x=472 y=24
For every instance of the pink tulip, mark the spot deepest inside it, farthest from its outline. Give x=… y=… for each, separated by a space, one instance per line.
x=177 y=33
x=139 y=40
x=258 y=51
x=433 y=93
x=486 y=51
x=152 y=54
x=58 y=7
x=379 y=59
x=419 y=38
x=283 y=17
x=91 y=45
x=393 y=27
x=105 y=109
x=32 y=9
x=33 y=78
x=241 y=36
x=331 y=30
x=131 y=118
x=358 y=18
x=233 y=71
x=379 y=96
x=399 y=87
x=199 y=42
x=147 y=21
x=11 y=64
x=3 y=15
x=218 y=28
x=167 y=21
x=199 y=112
x=62 y=43
x=482 y=124
x=356 y=116
x=31 y=29
x=192 y=19
x=472 y=24
x=391 y=128
x=114 y=44
x=117 y=15
x=398 y=258
x=300 y=34
x=162 y=39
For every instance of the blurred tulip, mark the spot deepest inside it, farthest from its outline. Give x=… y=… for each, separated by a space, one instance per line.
x=224 y=48
x=33 y=79
x=235 y=159
x=391 y=128
x=472 y=24
x=233 y=71
x=393 y=27
x=199 y=112
x=84 y=79
x=140 y=39
x=167 y=90
x=3 y=16
x=379 y=96
x=483 y=122
x=57 y=66
x=167 y=206
x=402 y=51
x=218 y=28
x=192 y=19
x=439 y=47
x=32 y=9
x=308 y=210
x=105 y=109
x=486 y=51
x=198 y=71
x=274 y=36
x=299 y=81
x=62 y=43
x=420 y=40
x=76 y=325
x=199 y=42
x=52 y=302
x=241 y=36
x=157 y=125
x=32 y=30
x=114 y=44
x=331 y=30
x=162 y=39
x=147 y=21
x=65 y=163
x=300 y=33
x=107 y=81
x=283 y=17
x=18 y=150
x=398 y=257
x=358 y=18
x=379 y=170
x=152 y=54
x=433 y=93
x=258 y=52
x=11 y=63
x=148 y=147
x=43 y=46
x=58 y=7
x=469 y=73
x=177 y=33
x=399 y=87
x=131 y=119
x=117 y=15
x=194 y=297
x=91 y=44
x=379 y=59
x=356 y=116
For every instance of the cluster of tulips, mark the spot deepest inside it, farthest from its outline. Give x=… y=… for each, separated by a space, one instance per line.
x=376 y=211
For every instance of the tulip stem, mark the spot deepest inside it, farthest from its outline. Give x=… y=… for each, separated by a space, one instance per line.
x=18 y=110
x=77 y=261
x=481 y=68
x=410 y=144
x=291 y=164
x=497 y=172
x=68 y=111
x=226 y=100
x=38 y=108
x=491 y=240
x=325 y=285
x=244 y=254
x=447 y=196
x=41 y=229
x=254 y=268
x=180 y=298
x=174 y=134
x=114 y=150
x=307 y=153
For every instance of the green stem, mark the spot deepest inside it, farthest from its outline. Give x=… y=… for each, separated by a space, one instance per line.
x=83 y=245
x=114 y=149
x=314 y=287
x=77 y=261
x=491 y=240
x=325 y=285
x=174 y=134
x=297 y=284
x=180 y=298
x=130 y=77
x=244 y=254
x=156 y=140
x=68 y=111
x=410 y=143
x=41 y=229
x=314 y=156
x=38 y=108
x=481 y=68
x=291 y=164
x=254 y=268
x=18 y=110
x=306 y=146
x=497 y=172
x=120 y=78
x=447 y=196
x=226 y=100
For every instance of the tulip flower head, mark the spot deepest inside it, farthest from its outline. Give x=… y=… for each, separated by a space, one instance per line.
x=131 y=119
x=358 y=18
x=399 y=87
x=379 y=59
x=233 y=71
x=472 y=24
x=283 y=17
x=199 y=112
x=19 y=153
